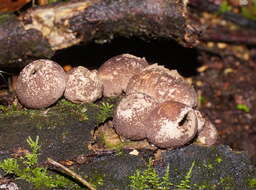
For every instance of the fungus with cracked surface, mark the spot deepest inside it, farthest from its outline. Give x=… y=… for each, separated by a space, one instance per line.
x=130 y=115
x=171 y=119
x=163 y=85
x=116 y=72
x=171 y=124
x=40 y=84
x=83 y=85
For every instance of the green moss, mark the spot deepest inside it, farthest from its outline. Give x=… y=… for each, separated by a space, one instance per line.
x=202 y=100
x=47 y=117
x=224 y=7
x=109 y=145
x=149 y=179
x=28 y=169
x=218 y=159
x=6 y=17
x=96 y=179
x=249 y=11
x=252 y=183
x=105 y=112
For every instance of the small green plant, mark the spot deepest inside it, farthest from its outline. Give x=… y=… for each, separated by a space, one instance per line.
x=27 y=168
x=243 y=107
x=224 y=7
x=149 y=180
x=218 y=160
x=184 y=184
x=105 y=112
x=78 y=109
x=252 y=183
x=202 y=100
x=3 y=108
x=249 y=11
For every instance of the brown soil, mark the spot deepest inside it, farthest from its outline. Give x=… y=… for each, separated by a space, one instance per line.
x=223 y=86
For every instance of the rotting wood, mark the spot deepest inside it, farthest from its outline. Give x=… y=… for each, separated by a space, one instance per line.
x=40 y=32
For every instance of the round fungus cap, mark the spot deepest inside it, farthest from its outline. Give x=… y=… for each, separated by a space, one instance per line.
x=163 y=85
x=209 y=135
x=130 y=113
x=40 y=84
x=116 y=72
x=171 y=124
x=83 y=85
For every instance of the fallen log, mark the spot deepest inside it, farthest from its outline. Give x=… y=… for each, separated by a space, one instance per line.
x=39 y=32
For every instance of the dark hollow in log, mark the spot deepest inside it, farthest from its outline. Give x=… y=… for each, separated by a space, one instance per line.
x=164 y=52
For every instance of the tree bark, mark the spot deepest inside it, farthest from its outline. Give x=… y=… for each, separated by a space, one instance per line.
x=40 y=32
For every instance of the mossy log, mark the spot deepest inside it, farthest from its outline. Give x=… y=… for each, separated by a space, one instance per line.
x=40 y=32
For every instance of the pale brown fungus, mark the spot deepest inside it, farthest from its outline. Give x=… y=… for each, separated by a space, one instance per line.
x=209 y=135
x=163 y=85
x=130 y=114
x=40 y=84
x=116 y=72
x=83 y=85
x=171 y=124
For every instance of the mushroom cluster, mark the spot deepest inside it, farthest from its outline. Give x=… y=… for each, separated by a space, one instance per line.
x=42 y=82
x=158 y=104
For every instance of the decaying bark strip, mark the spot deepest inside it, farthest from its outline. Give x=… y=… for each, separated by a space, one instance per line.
x=209 y=6
x=40 y=32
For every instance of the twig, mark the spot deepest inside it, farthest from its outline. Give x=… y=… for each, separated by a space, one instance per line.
x=238 y=19
x=71 y=173
x=221 y=34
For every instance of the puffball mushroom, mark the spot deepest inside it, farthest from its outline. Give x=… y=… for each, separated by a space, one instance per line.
x=40 y=84
x=116 y=72
x=171 y=124
x=130 y=113
x=209 y=135
x=83 y=85
x=163 y=85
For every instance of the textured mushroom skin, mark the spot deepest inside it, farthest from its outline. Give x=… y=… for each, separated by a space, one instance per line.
x=40 y=84
x=209 y=135
x=83 y=85
x=163 y=84
x=116 y=72
x=129 y=116
x=171 y=124
x=201 y=120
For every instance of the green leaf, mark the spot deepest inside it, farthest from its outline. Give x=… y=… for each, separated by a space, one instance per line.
x=243 y=107
x=224 y=7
